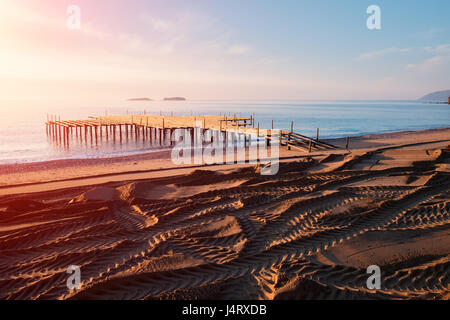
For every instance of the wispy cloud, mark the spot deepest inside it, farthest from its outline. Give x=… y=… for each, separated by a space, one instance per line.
x=239 y=50
x=439 y=59
x=157 y=24
x=382 y=52
x=432 y=33
x=437 y=63
x=443 y=48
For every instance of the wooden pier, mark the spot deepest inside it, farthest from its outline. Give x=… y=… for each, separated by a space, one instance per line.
x=159 y=129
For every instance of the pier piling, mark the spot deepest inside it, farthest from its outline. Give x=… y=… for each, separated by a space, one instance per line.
x=160 y=130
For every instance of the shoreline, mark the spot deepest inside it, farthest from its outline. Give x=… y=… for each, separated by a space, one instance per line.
x=158 y=152
x=30 y=177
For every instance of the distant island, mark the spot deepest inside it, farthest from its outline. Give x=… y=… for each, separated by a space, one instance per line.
x=140 y=99
x=438 y=96
x=175 y=99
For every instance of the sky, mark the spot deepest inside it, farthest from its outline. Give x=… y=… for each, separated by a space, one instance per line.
x=223 y=50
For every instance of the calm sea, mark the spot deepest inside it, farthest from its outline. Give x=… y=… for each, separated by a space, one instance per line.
x=23 y=137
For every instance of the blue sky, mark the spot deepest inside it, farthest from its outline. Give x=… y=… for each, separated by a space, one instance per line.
x=211 y=49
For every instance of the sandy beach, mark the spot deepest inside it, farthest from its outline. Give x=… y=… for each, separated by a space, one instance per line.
x=142 y=227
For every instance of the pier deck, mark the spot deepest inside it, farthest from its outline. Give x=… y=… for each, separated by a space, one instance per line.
x=158 y=128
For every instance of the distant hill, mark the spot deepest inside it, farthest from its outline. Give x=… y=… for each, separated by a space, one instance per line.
x=175 y=99
x=439 y=96
x=140 y=99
